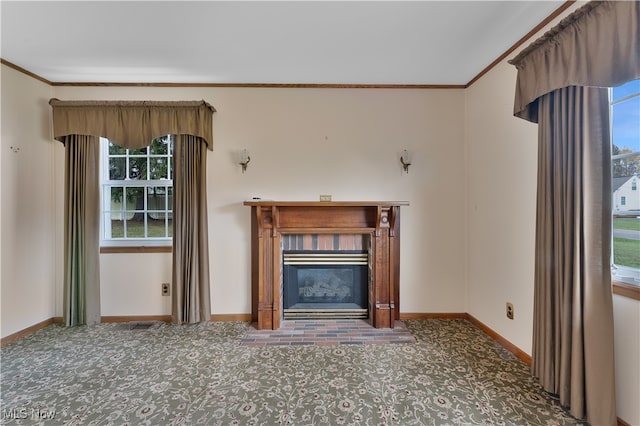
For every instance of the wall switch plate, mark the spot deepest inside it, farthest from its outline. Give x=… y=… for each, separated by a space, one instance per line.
x=324 y=197
x=166 y=289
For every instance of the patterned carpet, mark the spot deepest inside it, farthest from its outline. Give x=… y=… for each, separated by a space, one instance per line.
x=166 y=374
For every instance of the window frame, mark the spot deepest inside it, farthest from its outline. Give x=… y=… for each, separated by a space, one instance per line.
x=144 y=244
x=625 y=279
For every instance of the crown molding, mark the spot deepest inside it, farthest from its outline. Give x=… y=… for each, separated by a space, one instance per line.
x=272 y=85
x=523 y=40
x=24 y=71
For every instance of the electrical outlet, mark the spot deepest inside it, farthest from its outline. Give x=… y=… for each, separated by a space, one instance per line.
x=509 y=310
x=166 y=289
x=325 y=197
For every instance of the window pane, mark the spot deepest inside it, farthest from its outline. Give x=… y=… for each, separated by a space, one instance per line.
x=116 y=225
x=625 y=131
x=626 y=90
x=115 y=149
x=156 y=197
x=159 y=168
x=626 y=136
x=160 y=145
x=141 y=151
x=117 y=168
x=116 y=198
x=157 y=228
x=135 y=225
x=135 y=198
x=137 y=168
x=625 y=252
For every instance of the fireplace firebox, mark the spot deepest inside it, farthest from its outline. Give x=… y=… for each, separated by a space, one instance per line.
x=325 y=284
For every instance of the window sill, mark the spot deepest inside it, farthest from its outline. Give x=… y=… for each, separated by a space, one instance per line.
x=136 y=249
x=626 y=290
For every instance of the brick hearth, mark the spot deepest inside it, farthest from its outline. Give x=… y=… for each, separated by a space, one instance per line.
x=327 y=332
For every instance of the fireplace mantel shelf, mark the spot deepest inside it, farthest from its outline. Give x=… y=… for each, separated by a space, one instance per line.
x=271 y=219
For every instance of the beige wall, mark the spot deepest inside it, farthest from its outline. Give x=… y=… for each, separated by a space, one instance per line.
x=28 y=227
x=307 y=142
x=501 y=157
x=130 y=284
x=626 y=317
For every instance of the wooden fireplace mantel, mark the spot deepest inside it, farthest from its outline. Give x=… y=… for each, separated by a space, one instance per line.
x=271 y=219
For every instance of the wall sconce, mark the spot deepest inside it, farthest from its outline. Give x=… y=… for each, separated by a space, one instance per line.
x=405 y=159
x=244 y=159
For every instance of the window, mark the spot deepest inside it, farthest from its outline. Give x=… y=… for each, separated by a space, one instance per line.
x=137 y=194
x=625 y=156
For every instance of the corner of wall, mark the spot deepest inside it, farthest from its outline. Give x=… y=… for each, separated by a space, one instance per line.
x=27 y=227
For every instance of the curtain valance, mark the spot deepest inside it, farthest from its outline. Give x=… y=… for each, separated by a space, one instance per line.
x=132 y=124
x=598 y=45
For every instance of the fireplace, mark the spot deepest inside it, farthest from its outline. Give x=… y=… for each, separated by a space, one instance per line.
x=275 y=225
x=325 y=284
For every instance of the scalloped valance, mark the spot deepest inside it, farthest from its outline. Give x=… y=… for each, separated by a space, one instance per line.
x=132 y=124
x=598 y=45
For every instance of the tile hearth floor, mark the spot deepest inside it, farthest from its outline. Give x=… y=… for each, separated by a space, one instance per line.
x=327 y=332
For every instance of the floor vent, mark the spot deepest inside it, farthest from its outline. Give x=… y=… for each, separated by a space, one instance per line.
x=136 y=325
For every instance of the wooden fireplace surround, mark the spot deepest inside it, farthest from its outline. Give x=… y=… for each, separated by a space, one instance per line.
x=271 y=219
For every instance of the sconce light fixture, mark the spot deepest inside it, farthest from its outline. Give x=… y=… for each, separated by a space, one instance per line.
x=244 y=159
x=405 y=159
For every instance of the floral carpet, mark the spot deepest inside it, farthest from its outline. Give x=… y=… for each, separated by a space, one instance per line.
x=166 y=374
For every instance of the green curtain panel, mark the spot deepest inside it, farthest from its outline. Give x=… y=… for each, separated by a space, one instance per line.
x=82 y=230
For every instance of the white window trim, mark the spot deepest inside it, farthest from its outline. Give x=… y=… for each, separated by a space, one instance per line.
x=621 y=273
x=105 y=204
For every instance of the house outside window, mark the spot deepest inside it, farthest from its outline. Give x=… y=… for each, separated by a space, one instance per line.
x=625 y=157
x=137 y=194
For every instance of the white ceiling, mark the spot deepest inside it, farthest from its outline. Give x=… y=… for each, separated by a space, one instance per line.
x=295 y=42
